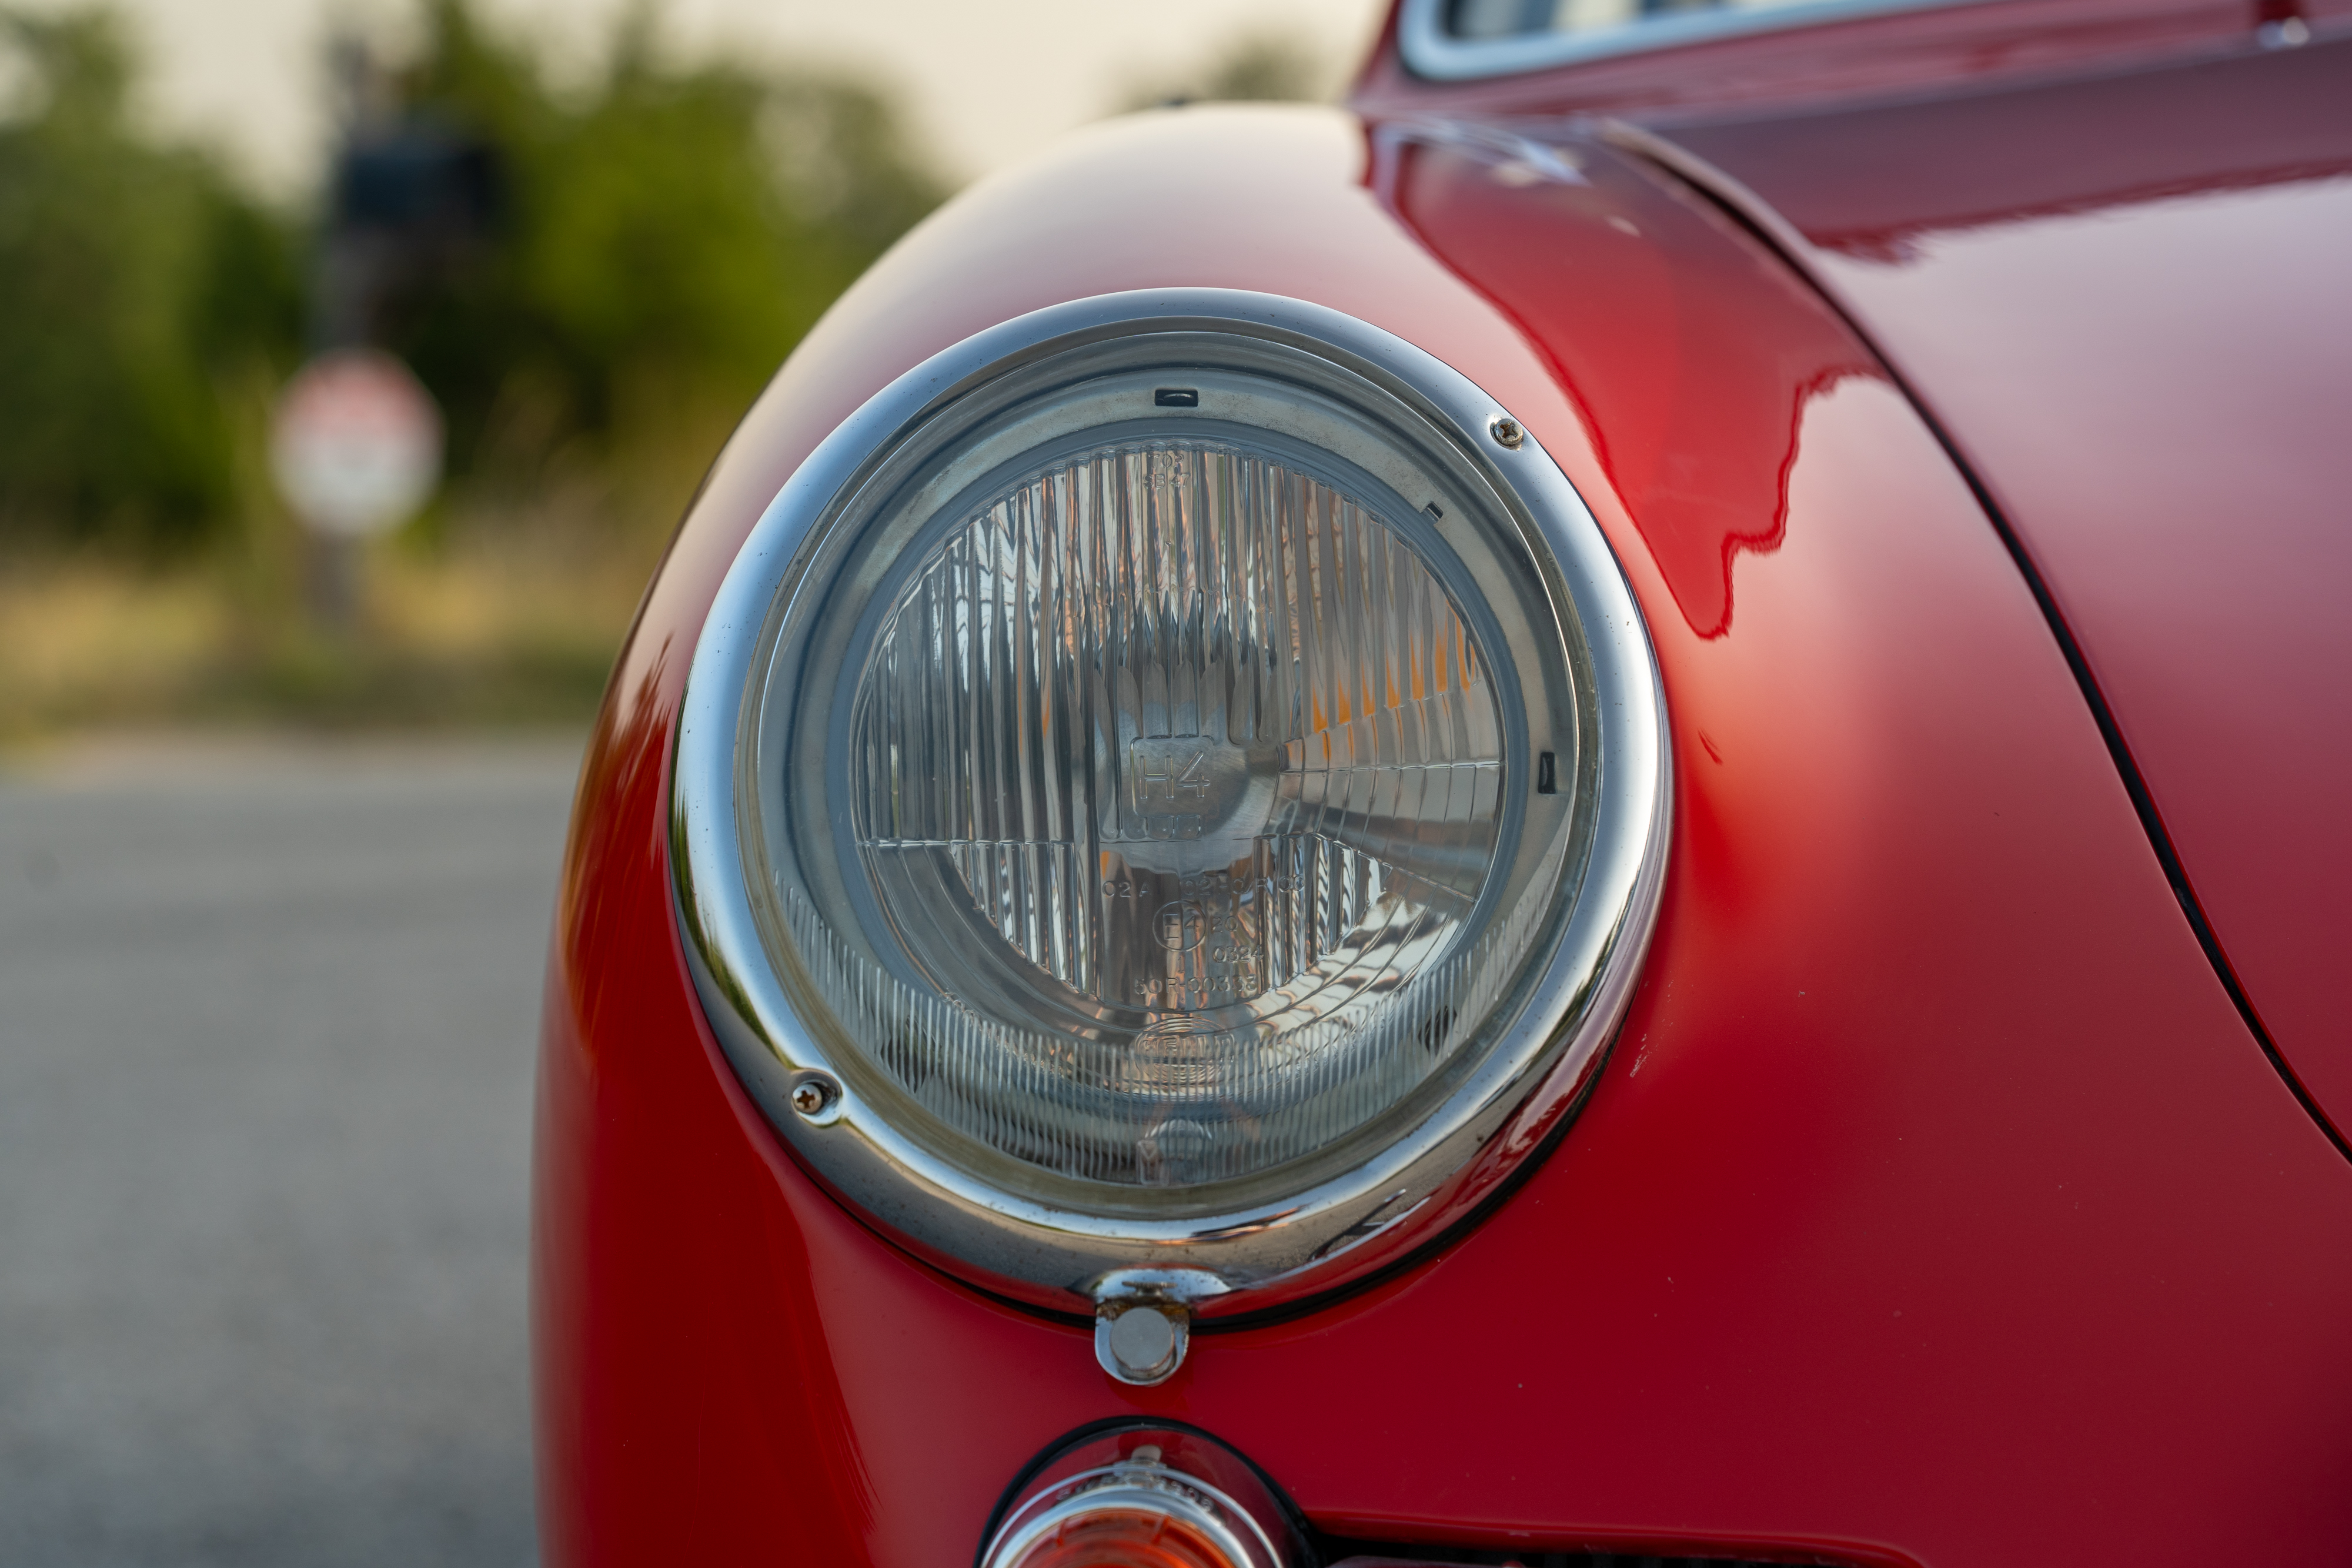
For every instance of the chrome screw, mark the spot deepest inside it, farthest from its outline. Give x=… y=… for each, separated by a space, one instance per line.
x=815 y=1096
x=1506 y=431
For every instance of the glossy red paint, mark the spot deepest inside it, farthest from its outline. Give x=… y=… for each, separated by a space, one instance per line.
x=2124 y=301
x=1690 y=358
x=1935 y=1207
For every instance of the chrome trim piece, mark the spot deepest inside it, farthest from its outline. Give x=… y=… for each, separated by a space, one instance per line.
x=1432 y=52
x=1350 y=1222
x=1145 y=1488
x=1141 y=1359
x=1172 y=1294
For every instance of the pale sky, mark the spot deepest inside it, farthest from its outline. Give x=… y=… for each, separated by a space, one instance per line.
x=985 y=83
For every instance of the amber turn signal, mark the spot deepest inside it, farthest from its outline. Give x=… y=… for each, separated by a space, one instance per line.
x=1118 y=1537
x=1153 y=1506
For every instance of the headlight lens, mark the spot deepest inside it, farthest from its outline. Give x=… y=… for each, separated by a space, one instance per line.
x=1179 y=771
x=1162 y=771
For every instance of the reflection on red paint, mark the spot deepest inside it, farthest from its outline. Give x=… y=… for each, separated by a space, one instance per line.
x=1689 y=359
x=627 y=1405
x=1875 y=184
x=2122 y=299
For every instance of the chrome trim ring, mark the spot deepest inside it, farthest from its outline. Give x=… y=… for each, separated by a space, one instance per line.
x=1432 y=52
x=1349 y=1221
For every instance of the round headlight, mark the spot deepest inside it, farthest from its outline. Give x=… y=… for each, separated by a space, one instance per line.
x=1163 y=786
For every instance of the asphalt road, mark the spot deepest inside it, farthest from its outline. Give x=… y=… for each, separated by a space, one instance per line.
x=266 y=1018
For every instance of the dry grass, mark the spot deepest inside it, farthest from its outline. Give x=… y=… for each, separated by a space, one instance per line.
x=468 y=636
x=511 y=617
x=78 y=638
x=504 y=607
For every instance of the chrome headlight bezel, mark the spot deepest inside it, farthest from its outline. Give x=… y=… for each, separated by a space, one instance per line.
x=1568 y=1008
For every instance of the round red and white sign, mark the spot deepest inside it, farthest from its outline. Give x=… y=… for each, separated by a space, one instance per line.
x=356 y=444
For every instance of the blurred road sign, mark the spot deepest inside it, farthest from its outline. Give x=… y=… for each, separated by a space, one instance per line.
x=356 y=444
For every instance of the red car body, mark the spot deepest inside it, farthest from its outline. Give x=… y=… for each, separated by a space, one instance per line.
x=1963 y=393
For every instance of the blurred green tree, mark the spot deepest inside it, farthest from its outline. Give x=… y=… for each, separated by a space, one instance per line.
x=135 y=280
x=671 y=231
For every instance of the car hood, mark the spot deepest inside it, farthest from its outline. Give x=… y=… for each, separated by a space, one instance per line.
x=2122 y=299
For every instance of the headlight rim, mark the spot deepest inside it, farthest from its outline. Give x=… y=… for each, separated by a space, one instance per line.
x=1322 y=1237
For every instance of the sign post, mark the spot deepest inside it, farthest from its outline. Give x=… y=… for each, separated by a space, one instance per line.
x=355 y=447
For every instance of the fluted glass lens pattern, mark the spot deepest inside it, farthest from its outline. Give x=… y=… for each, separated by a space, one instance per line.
x=1176 y=775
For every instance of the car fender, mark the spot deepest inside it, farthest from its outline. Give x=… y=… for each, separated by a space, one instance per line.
x=1935 y=1205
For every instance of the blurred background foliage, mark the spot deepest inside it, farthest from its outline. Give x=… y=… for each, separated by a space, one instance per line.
x=139 y=283
x=667 y=235
x=657 y=238
x=663 y=230
x=662 y=233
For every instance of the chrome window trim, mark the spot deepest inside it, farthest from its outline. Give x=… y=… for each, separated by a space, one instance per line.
x=1435 y=55
x=1350 y=1223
